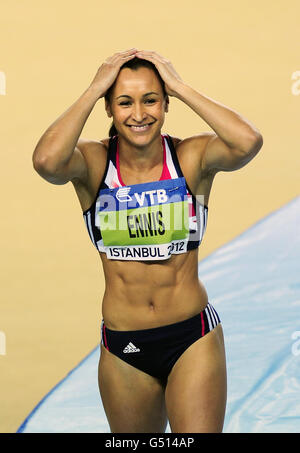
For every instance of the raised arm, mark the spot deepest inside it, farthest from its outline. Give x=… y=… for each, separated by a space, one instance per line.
x=234 y=142
x=57 y=156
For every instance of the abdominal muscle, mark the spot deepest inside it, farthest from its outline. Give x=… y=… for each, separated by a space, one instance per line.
x=143 y=295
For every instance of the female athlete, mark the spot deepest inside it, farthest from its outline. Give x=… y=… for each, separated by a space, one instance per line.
x=144 y=197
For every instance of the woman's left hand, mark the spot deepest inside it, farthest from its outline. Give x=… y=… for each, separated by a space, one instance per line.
x=165 y=68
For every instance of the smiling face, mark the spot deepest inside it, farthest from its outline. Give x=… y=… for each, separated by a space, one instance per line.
x=137 y=105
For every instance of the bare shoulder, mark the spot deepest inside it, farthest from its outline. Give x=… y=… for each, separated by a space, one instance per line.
x=91 y=148
x=94 y=153
x=175 y=140
x=194 y=142
x=191 y=149
x=190 y=152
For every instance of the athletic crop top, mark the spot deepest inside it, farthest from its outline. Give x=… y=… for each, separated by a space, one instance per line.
x=148 y=221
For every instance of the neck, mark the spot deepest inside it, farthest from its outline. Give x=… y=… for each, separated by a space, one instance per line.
x=140 y=158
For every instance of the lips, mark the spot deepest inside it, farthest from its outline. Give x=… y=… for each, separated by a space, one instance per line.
x=141 y=128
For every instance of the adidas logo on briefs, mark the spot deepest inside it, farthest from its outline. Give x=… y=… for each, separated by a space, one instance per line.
x=131 y=348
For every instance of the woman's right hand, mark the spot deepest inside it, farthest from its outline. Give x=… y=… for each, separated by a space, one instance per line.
x=109 y=70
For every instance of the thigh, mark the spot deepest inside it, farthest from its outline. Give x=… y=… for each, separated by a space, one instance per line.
x=196 y=388
x=134 y=402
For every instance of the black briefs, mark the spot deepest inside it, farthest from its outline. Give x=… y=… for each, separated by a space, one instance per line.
x=155 y=351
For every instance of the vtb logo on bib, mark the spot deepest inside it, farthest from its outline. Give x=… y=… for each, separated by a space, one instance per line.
x=123 y=194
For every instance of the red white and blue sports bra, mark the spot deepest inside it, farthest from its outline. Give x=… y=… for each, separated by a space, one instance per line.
x=148 y=221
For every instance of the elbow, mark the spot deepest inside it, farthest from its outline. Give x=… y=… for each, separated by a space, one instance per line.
x=258 y=143
x=43 y=165
x=48 y=171
x=40 y=163
x=255 y=144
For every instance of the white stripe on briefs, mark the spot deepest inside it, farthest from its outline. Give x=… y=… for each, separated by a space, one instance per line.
x=212 y=317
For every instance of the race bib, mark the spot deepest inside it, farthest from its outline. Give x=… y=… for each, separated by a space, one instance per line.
x=146 y=221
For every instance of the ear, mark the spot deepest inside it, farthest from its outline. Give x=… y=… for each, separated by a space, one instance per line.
x=107 y=108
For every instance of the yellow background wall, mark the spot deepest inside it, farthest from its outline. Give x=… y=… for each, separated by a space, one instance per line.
x=240 y=53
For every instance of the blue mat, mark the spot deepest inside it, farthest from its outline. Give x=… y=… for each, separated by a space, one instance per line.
x=254 y=283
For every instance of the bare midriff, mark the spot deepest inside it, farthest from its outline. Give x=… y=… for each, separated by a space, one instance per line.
x=143 y=295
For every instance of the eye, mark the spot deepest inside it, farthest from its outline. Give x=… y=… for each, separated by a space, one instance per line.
x=151 y=101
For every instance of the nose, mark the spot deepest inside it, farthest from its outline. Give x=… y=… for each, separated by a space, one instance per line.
x=138 y=113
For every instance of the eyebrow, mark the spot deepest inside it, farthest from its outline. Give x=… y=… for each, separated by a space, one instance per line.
x=126 y=95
